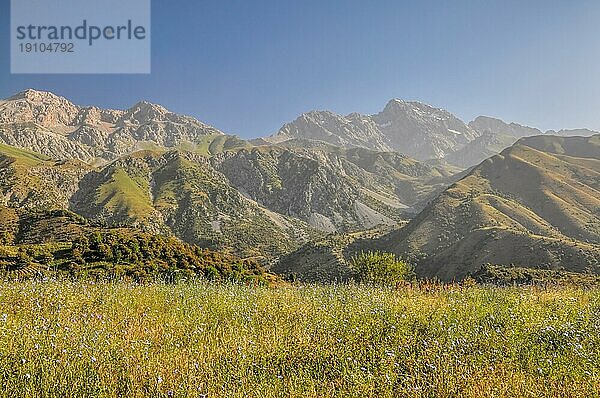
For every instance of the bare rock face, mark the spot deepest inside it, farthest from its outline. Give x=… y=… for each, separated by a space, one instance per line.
x=52 y=125
x=330 y=188
x=93 y=116
x=346 y=131
x=415 y=129
x=422 y=131
x=315 y=189
x=490 y=125
x=42 y=108
x=149 y=122
x=44 y=140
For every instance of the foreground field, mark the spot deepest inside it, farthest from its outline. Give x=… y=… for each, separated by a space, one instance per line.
x=83 y=340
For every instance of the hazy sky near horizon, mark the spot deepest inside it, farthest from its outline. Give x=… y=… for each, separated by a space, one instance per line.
x=247 y=66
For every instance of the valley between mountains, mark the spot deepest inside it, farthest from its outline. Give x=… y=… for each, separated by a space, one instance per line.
x=449 y=196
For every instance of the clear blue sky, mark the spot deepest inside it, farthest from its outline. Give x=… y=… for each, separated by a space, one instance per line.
x=247 y=67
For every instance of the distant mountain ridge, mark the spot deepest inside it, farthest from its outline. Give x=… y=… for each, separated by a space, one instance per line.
x=52 y=125
x=415 y=129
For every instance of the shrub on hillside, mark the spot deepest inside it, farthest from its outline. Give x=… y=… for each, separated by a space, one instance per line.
x=380 y=268
x=116 y=254
x=140 y=255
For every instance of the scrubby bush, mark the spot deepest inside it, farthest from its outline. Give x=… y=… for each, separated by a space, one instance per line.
x=146 y=255
x=116 y=254
x=44 y=255
x=24 y=256
x=380 y=268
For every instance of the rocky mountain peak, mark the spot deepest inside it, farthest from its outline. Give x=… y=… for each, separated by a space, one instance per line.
x=318 y=115
x=149 y=106
x=145 y=111
x=410 y=127
x=40 y=107
x=396 y=105
x=36 y=96
x=420 y=130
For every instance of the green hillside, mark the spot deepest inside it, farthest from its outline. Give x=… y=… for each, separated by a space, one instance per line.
x=525 y=207
x=22 y=156
x=34 y=181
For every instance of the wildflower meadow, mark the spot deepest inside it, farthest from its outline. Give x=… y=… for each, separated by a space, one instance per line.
x=80 y=339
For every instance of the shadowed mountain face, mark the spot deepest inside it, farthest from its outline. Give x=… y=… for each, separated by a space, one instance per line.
x=537 y=204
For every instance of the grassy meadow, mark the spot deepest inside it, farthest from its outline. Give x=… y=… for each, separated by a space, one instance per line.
x=80 y=339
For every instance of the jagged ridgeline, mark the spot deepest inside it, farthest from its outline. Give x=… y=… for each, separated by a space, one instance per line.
x=53 y=126
x=418 y=130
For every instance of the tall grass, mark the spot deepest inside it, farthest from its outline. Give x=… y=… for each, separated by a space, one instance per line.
x=80 y=339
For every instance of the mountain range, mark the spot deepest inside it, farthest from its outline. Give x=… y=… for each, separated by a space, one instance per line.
x=418 y=130
x=412 y=179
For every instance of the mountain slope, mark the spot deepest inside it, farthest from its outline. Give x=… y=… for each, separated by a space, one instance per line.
x=262 y=201
x=412 y=128
x=345 y=131
x=332 y=188
x=422 y=131
x=180 y=193
x=34 y=181
x=537 y=204
x=490 y=125
x=486 y=145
